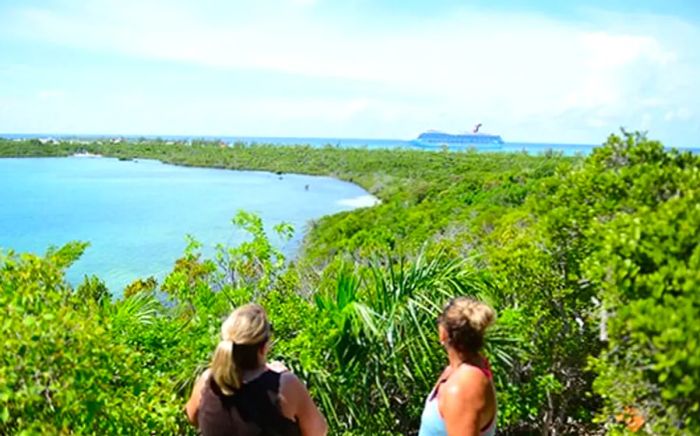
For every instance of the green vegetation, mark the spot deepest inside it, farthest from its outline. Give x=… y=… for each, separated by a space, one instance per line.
x=592 y=264
x=426 y=196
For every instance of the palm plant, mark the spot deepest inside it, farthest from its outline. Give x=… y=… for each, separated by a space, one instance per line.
x=380 y=318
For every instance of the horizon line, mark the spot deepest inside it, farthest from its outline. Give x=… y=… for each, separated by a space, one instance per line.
x=222 y=137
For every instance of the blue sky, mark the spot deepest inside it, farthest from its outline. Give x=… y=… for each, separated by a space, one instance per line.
x=545 y=71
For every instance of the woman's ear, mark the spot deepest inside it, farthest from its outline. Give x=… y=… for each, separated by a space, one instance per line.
x=442 y=334
x=262 y=351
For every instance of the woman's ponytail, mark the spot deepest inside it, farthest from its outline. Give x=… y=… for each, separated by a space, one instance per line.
x=223 y=368
x=243 y=334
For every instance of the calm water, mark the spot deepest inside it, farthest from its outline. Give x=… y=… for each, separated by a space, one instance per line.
x=136 y=214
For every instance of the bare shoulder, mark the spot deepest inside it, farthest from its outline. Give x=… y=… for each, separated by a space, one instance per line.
x=277 y=366
x=203 y=378
x=205 y=375
x=291 y=383
x=467 y=383
x=293 y=395
x=298 y=405
x=292 y=390
x=192 y=405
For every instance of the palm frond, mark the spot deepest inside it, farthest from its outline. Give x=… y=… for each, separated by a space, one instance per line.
x=141 y=308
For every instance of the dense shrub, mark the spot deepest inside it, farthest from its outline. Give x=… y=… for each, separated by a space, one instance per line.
x=64 y=367
x=602 y=260
x=593 y=266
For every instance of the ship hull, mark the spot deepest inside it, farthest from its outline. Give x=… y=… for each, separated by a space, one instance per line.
x=434 y=139
x=440 y=140
x=456 y=146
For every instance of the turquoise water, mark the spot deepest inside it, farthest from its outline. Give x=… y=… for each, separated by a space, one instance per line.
x=136 y=214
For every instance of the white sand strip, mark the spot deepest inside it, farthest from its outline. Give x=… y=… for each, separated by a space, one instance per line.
x=361 y=201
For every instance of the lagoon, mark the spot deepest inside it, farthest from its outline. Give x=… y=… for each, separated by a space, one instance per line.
x=135 y=214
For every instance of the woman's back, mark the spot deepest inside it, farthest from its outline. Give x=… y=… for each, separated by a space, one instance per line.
x=467 y=387
x=463 y=401
x=254 y=410
x=242 y=394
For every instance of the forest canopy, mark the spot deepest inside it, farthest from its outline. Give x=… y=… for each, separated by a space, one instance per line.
x=592 y=264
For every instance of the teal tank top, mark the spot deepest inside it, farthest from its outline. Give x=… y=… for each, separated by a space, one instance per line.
x=431 y=422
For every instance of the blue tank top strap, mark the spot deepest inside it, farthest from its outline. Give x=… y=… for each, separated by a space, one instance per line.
x=432 y=424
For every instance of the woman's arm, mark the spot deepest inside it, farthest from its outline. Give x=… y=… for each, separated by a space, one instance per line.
x=300 y=405
x=462 y=401
x=192 y=405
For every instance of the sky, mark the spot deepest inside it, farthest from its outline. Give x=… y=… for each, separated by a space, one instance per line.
x=533 y=71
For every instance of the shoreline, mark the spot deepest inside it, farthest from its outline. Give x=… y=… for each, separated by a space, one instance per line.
x=350 y=203
x=85 y=154
x=363 y=201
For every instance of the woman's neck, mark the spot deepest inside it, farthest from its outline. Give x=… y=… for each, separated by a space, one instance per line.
x=250 y=374
x=456 y=358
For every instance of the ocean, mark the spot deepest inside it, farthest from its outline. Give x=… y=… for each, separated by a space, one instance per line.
x=529 y=147
x=135 y=214
x=508 y=147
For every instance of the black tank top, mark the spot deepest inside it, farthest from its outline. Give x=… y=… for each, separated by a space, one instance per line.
x=252 y=411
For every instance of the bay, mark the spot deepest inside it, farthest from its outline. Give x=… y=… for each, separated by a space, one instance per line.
x=135 y=214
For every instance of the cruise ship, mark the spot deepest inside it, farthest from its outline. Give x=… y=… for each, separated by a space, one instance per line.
x=477 y=139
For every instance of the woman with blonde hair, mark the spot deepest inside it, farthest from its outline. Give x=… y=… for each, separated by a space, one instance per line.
x=241 y=394
x=463 y=401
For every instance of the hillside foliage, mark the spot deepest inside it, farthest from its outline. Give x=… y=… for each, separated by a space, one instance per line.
x=593 y=266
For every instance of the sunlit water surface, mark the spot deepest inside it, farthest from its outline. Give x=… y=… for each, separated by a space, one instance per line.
x=135 y=214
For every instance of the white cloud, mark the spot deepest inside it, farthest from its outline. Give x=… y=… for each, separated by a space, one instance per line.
x=605 y=51
x=304 y=3
x=299 y=109
x=521 y=73
x=682 y=114
x=47 y=94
